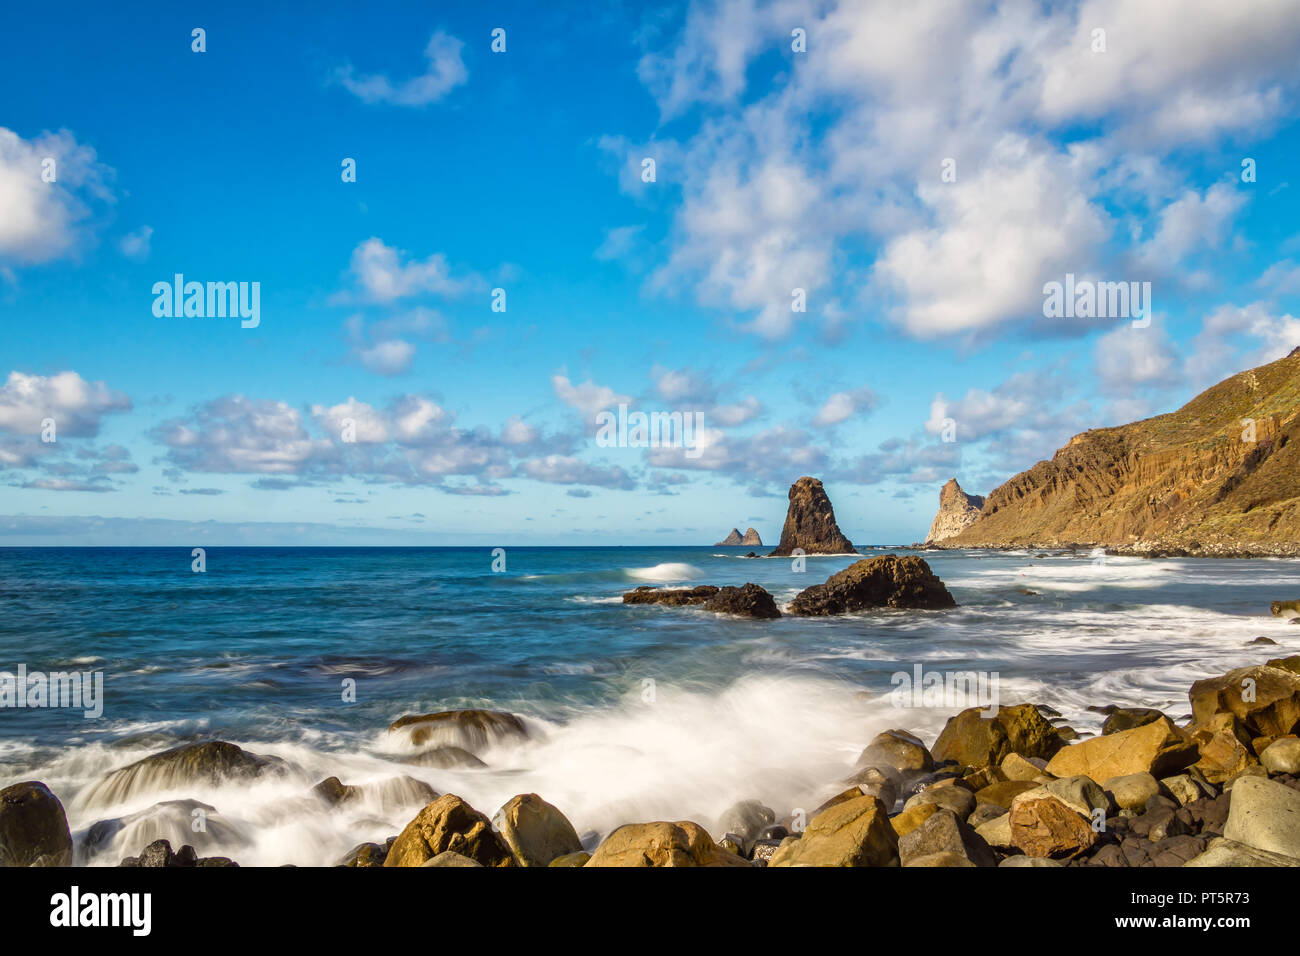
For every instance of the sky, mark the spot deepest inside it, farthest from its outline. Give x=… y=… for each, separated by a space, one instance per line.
x=823 y=231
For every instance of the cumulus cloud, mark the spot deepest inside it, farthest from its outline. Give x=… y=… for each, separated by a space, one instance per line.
x=47 y=220
x=78 y=407
x=588 y=397
x=383 y=274
x=1235 y=337
x=1053 y=146
x=842 y=406
x=444 y=72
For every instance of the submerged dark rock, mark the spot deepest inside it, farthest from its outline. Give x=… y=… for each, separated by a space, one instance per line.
x=646 y=594
x=159 y=854
x=888 y=581
x=468 y=729
x=213 y=762
x=747 y=601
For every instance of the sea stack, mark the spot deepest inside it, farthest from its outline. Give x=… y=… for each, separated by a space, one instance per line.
x=810 y=523
x=751 y=539
x=957 y=511
x=730 y=541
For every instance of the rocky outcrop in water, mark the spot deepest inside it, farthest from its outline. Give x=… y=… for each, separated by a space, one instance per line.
x=810 y=523
x=159 y=854
x=749 y=600
x=449 y=823
x=213 y=763
x=957 y=512
x=731 y=541
x=751 y=539
x=888 y=581
x=470 y=730
x=1219 y=476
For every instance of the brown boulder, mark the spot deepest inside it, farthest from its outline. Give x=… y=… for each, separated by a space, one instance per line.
x=974 y=740
x=853 y=833
x=1046 y=827
x=1158 y=748
x=887 y=581
x=810 y=523
x=662 y=844
x=535 y=831
x=1265 y=699
x=448 y=823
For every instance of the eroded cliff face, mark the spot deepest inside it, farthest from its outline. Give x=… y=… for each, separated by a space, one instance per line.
x=957 y=512
x=1219 y=476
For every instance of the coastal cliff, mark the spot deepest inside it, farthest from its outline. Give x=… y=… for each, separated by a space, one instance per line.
x=1219 y=476
x=957 y=512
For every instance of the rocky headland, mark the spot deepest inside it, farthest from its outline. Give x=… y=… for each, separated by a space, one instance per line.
x=1218 y=477
x=957 y=512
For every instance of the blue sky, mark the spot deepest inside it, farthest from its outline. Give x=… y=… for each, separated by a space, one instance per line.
x=1115 y=157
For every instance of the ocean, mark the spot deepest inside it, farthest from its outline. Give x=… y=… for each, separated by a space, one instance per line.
x=635 y=713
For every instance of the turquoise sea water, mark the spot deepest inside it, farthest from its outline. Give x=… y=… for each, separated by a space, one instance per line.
x=634 y=712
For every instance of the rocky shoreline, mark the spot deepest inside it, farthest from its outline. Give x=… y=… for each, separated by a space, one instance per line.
x=1011 y=788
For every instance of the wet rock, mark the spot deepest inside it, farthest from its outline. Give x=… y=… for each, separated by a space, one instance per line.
x=810 y=522
x=446 y=758
x=449 y=823
x=471 y=730
x=898 y=749
x=211 y=763
x=943 y=833
x=366 y=855
x=888 y=581
x=535 y=831
x=749 y=820
x=1285 y=609
x=1158 y=748
x=158 y=854
x=1127 y=718
x=750 y=600
x=854 y=833
x=677 y=597
x=33 y=827
x=571 y=859
x=662 y=844
x=957 y=799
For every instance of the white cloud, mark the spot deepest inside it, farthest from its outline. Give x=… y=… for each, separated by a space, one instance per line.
x=1192 y=222
x=588 y=398
x=78 y=407
x=1236 y=337
x=382 y=276
x=1130 y=358
x=135 y=245
x=445 y=71
x=44 y=221
x=842 y=406
x=391 y=357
